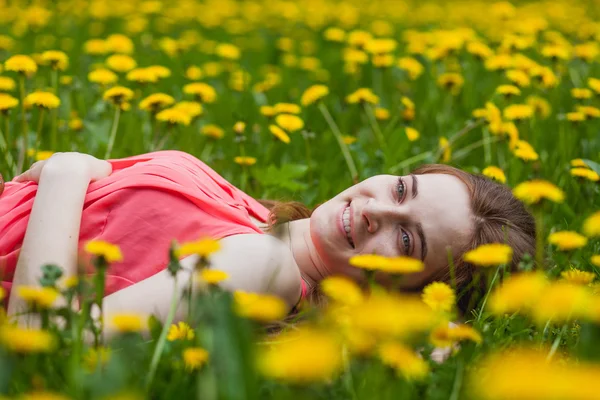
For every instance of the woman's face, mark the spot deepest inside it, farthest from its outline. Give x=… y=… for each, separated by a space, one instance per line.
x=415 y=215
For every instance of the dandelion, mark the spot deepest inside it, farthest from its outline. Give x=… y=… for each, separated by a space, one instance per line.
x=581 y=93
x=404 y=360
x=22 y=64
x=180 y=331
x=488 y=255
x=103 y=76
x=38 y=297
x=203 y=92
x=585 y=173
x=387 y=264
x=451 y=81
x=540 y=106
x=445 y=149
x=301 y=356
x=159 y=70
x=334 y=34
x=518 y=112
x=342 y=290
x=578 y=277
x=595 y=260
x=96 y=357
x=156 y=101
x=142 y=75
x=518 y=292
x=494 y=172
x=567 y=240
x=518 y=77
x=576 y=116
x=508 y=90
x=259 y=307
x=589 y=111
x=594 y=84
x=192 y=108
x=411 y=66
x=7 y=102
x=110 y=252
x=45 y=100
x=362 y=95
x=66 y=80
x=121 y=63
x=445 y=335
x=213 y=276
x=439 y=296
x=127 y=323
x=212 y=131
x=7 y=84
x=562 y=301
x=533 y=191
x=25 y=340
x=279 y=133
x=118 y=95
x=289 y=122
x=95 y=47
x=194 y=357
x=245 y=161
x=267 y=111
x=119 y=43
x=314 y=94
x=591 y=225
x=348 y=140
x=204 y=247
x=239 y=127
x=412 y=134
x=382 y=114
x=174 y=116
x=56 y=59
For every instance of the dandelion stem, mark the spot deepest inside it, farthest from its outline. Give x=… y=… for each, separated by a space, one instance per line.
x=457 y=381
x=163 y=336
x=206 y=151
x=406 y=163
x=338 y=135
x=113 y=133
x=556 y=343
x=5 y=148
x=467 y=128
x=38 y=137
x=375 y=127
x=487 y=150
x=487 y=293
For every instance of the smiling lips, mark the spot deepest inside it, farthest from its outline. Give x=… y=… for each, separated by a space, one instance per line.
x=346 y=223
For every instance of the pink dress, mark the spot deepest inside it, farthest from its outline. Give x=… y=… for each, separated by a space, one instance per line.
x=148 y=201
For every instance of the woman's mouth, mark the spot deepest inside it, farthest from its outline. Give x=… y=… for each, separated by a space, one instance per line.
x=347 y=226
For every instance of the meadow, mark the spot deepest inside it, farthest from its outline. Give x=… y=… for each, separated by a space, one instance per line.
x=297 y=101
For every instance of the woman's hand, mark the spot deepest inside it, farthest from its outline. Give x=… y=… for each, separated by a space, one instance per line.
x=94 y=168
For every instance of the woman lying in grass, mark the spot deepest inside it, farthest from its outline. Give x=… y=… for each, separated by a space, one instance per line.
x=144 y=202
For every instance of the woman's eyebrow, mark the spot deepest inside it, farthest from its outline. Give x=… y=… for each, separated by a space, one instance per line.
x=415 y=191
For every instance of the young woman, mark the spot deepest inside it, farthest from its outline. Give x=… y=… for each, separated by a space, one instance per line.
x=144 y=202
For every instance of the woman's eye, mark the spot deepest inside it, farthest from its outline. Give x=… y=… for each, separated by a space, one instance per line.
x=406 y=242
x=401 y=188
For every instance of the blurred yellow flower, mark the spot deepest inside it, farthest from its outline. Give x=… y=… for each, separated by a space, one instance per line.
x=22 y=64
x=451 y=81
x=439 y=296
x=581 y=93
x=42 y=297
x=494 y=172
x=518 y=112
x=518 y=292
x=567 y=240
x=588 y=111
x=578 y=277
x=313 y=94
x=212 y=131
x=562 y=301
x=540 y=106
x=227 y=51
x=174 y=116
x=125 y=323
x=213 y=276
x=192 y=108
x=96 y=357
x=412 y=134
x=445 y=148
x=301 y=356
x=119 y=43
x=7 y=102
x=595 y=260
x=347 y=139
x=362 y=95
x=489 y=255
x=359 y=38
x=110 y=252
x=413 y=68
x=594 y=84
x=159 y=70
x=103 y=76
x=142 y=75
x=279 y=133
x=392 y=265
x=259 y=307
x=45 y=100
x=535 y=190
x=180 y=331
x=585 y=173
x=508 y=90
x=576 y=116
x=56 y=59
x=287 y=108
x=156 y=101
x=203 y=92
x=194 y=357
x=203 y=247
x=7 y=84
x=118 y=95
x=194 y=73
x=244 y=160
x=342 y=290
x=267 y=111
x=518 y=77
x=239 y=127
x=382 y=114
x=25 y=340
x=591 y=225
x=524 y=151
x=446 y=335
x=404 y=360
x=289 y=122
x=578 y=163
x=334 y=34
x=95 y=47
x=121 y=63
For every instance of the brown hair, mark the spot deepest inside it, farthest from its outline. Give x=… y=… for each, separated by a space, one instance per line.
x=498 y=218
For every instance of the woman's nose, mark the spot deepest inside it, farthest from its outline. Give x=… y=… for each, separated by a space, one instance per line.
x=378 y=213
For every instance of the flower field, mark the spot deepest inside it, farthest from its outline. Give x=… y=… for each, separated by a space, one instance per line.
x=298 y=101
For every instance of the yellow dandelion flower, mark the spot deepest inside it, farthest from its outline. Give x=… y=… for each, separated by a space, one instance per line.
x=540 y=106
x=95 y=47
x=7 y=102
x=193 y=73
x=244 y=160
x=446 y=149
x=228 y=51
x=578 y=277
x=591 y=225
x=192 y=108
x=45 y=100
x=581 y=93
x=508 y=90
x=518 y=292
x=585 y=173
x=576 y=116
x=567 y=240
x=562 y=301
x=203 y=92
x=22 y=64
x=347 y=139
x=301 y=356
x=439 y=296
x=518 y=77
x=382 y=114
x=342 y=290
x=314 y=94
x=518 y=112
x=25 y=340
x=404 y=360
x=119 y=43
x=239 y=127
x=411 y=66
x=125 y=323
x=159 y=70
x=118 y=95
x=7 y=84
x=56 y=59
x=96 y=357
x=488 y=255
x=267 y=111
x=174 y=116
x=362 y=95
x=594 y=84
x=451 y=81
x=212 y=131
x=43 y=155
x=103 y=76
x=259 y=307
x=279 y=134
x=589 y=111
x=66 y=80
x=194 y=357
x=412 y=134
x=42 y=297
x=156 y=101
x=524 y=151
x=2 y=293
x=180 y=331
x=121 y=63
x=213 y=276
x=287 y=108
x=595 y=260
x=142 y=75
x=578 y=163
x=368 y=261
x=535 y=190
x=110 y=252
x=204 y=247
x=289 y=122
x=334 y=34
x=494 y=172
